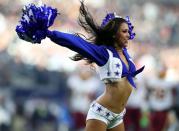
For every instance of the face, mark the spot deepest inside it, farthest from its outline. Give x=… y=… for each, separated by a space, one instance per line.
x=122 y=35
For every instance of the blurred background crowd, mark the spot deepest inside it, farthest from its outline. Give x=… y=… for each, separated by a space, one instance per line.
x=41 y=89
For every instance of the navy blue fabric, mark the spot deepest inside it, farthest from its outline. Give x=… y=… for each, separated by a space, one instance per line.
x=98 y=54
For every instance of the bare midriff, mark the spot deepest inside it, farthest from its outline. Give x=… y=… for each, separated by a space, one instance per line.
x=116 y=95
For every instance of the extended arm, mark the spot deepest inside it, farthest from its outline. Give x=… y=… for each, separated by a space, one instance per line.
x=98 y=54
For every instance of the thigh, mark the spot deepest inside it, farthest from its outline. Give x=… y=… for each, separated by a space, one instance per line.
x=120 y=127
x=95 y=125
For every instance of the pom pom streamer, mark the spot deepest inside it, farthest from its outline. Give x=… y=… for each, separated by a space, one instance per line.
x=131 y=27
x=35 y=21
x=108 y=18
x=111 y=16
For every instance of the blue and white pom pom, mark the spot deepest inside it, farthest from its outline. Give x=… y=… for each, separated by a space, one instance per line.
x=35 y=22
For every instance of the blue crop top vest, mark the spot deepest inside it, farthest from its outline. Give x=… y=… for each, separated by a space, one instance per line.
x=111 y=66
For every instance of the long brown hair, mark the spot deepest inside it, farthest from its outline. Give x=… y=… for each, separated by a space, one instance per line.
x=98 y=35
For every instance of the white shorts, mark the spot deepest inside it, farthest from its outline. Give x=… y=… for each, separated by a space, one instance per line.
x=101 y=113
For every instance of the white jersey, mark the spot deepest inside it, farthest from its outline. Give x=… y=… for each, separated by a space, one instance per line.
x=160 y=97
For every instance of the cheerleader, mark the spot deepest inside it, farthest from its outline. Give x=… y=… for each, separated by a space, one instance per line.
x=107 y=48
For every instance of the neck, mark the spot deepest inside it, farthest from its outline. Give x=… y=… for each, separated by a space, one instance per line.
x=118 y=48
x=119 y=51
